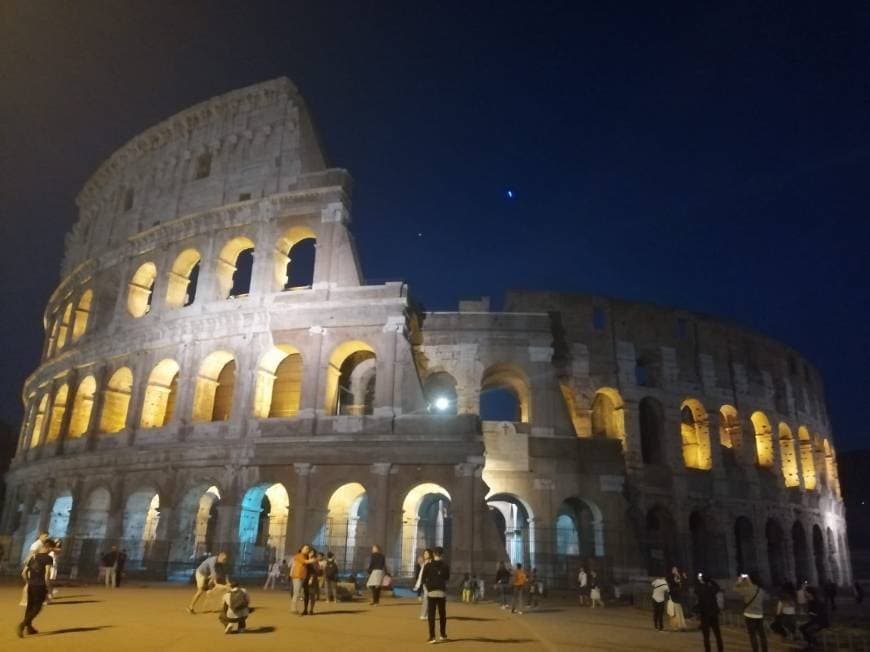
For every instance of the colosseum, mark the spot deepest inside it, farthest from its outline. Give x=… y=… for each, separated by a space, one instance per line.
x=217 y=374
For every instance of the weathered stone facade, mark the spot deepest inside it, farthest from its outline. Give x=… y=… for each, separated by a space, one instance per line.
x=193 y=396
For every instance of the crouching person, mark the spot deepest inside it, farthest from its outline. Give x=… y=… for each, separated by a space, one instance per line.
x=235 y=608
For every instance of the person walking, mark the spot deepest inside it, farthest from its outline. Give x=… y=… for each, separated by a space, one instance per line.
x=785 y=623
x=707 y=608
x=583 y=583
x=753 y=610
x=272 y=575
x=120 y=565
x=519 y=586
x=330 y=577
x=110 y=563
x=425 y=558
x=206 y=573
x=659 y=597
x=435 y=575
x=377 y=569
x=37 y=575
x=502 y=582
x=595 y=590
x=819 y=619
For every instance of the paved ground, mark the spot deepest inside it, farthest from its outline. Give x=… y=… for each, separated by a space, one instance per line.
x=153 y=617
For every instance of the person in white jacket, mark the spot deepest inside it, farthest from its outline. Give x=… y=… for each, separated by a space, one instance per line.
x=424 y=604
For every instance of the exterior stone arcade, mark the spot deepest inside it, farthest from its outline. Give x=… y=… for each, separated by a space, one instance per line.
x=218 y=375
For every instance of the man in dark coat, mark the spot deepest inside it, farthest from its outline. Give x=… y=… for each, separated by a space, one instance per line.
x=707 y=608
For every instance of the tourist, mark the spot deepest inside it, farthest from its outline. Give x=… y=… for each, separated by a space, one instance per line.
x=753 y=610
x=818 y=621
x=54 y=553
x=205 y=574
x=330 y=577
x=583 y=583
x=272 y=575
x=418 y=566
x=110 y=564
x=285 y=571
x=235 y=609
x=595 y=590
x=677 y=595
x=434 y=577
x=318 y=585
x=519 y=586
x=785 y=623
x=35 y=548
x=533 y=589
x=37 y=575
x=309 y=584
x=298 y=572
x=425 y=558
x=659 y=597
x=465 y=588
x=502 y=582
x=119 y=567
x=707 y=608
x=377 y=569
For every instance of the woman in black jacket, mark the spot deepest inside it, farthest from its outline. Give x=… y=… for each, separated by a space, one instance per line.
x=435 y=576
x=377 y=570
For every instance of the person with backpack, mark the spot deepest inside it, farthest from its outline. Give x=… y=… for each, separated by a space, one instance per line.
x=707 y=608
x=434 y=578
x=235 y=609
x=330 y=577
x=753 y=610
x=37 y=575
x=520 y=581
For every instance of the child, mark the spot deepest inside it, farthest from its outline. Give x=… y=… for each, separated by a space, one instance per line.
x=235 y=608
x=466 y=588
x=595 y=591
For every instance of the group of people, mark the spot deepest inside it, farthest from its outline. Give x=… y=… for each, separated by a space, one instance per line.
x=672 y=594
x=590 y=588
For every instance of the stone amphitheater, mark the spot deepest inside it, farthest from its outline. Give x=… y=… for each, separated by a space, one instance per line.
x=217 y=374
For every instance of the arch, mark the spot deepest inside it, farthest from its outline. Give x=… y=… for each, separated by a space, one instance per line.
x=819 y=555
x=652 y=419
x=197 y=524
x=140 y=290
x=661 y=541
x=83 y=405
x=183 y=279
x=234 y=268
x=579 y=534
x=801 y=553
x=513 y=519
x=83 y=313
x=38 y=422
x=440 y=392
x=58 y=523
x=294 y=258
x=788 y=457
x=344 y=532
x=708 y=550
x=58 y=409
x=279 y=383
x=63 y=329
x=763 y=439
x=808 y=465
x=263 y=524
x=350 y=381
x=775 y=551
x=744 y=538
x=116 y=401
x=695 y=433
x=730 y=432
x=608 y=414
x=426 y=521
x=213 y=396
x=139 y=524
x=160 y=394
x=510 y=380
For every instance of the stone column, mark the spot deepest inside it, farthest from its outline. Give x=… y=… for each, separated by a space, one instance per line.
x=92 y=433
x=137 y=396
x=385 y=398
x=379 y=512
x=300 y=504
x=312 y=361
x=633 y=455
x=72 y=380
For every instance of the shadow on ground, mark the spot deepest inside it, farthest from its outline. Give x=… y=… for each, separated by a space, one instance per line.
x=73 y=630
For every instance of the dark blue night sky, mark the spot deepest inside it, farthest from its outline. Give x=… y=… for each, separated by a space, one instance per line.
x=712 y=156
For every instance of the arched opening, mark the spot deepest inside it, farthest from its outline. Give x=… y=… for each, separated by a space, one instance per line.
x=141 y=517
x=579 y=535
x=58 y=522
x=730 y=433
x=350 y=383
x=279 y=383
x=58 y=409
x=695 y=434
x=83 y=405
x=89 y=531
x=213 y=397
x=440 y=392
x=234 y=266
x=808 y=465
x=63 y=329
x=83 y=313
x=344 y=532
x=505 y=394
x=789 y=459
x=38 y=422
x=513 y=520
x=744 y=539
x=197 y=525
x=263 y=525
x=183 y=279
x=819 y=555
x=763 y=439
x=294 y=258
x=426 y=522
x=140 y=290
x=662 y=548
x=116 y=401
x=652 y=419
x=608 y=414
x=775 y=552
x=159 y=402
x=801 y=553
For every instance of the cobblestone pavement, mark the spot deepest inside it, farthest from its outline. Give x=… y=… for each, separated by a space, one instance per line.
x=153 y=617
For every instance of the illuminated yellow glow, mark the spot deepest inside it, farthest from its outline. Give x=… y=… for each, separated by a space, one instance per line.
x=279 y=383
x=608 y=414
x=140 y=288
x=58 y=409
x=695 y=432
x=64 y=327
x=116 y=401
x=38 y=421
x=281 y=255
x=808 y=465
x=83 y=404
x=730 y=432
x=83 y=312
x=179 y=278
x=788 y=456
x=215 y=384
x=763 y=439
x=159 y=401
x=226 y=264
x=333 y=371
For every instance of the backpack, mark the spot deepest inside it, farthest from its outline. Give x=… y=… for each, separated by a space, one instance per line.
x=238 y=600
x=331 y=570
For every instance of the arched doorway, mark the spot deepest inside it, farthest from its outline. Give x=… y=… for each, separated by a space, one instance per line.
x=661 y=538
x=89 y=532
x=513 y=520
x=263 y=526
x=344 y=532
x=579 y=536
x=139 y=525
x=426 y=522
x=197 y=526
x=745 y=546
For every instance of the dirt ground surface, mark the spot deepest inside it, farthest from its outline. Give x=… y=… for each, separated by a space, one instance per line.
x=154 y=617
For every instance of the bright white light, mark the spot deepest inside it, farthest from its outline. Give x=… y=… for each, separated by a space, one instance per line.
x=442 y=403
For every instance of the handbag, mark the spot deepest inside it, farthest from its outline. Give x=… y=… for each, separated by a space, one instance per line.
x=387 y=581
x=671 y=608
